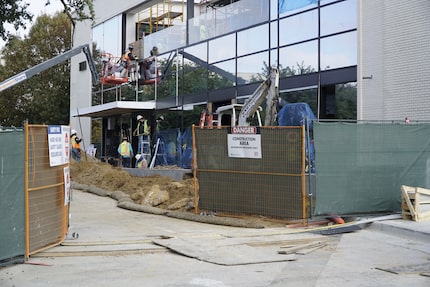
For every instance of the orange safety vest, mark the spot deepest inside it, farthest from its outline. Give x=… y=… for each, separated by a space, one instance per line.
x=74 y=143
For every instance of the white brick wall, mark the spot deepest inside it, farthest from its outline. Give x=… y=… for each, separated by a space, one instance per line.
x=395 y=49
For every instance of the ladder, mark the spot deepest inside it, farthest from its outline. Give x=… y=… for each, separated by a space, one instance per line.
x=159 y=153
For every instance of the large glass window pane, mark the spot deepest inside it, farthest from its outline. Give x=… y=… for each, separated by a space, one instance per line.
x=222 y=48
x=196 y=53
x=298 y=28
x=339 y=51
x=222 y=75
x=299 y=59
x=107 y=36
x=309 y=96
x=253 y=40
x=253 y=68
x=339 y=17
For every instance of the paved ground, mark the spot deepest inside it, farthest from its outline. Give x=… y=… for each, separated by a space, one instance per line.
x=118 y=247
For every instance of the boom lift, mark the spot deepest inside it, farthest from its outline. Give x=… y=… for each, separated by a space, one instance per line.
x=27 y=74
x=242 y=115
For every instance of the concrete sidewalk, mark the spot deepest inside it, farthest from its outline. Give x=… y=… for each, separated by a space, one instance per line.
x=118 y=247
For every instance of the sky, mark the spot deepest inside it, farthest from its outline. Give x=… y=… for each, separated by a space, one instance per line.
x=37 y=7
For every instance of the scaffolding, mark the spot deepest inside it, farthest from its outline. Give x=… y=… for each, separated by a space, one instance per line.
x=159 y=16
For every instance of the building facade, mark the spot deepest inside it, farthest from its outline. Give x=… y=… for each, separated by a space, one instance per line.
x=348 y=59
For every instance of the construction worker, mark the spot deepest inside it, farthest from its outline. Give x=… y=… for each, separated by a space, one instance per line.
x=125 y=151
x=128 y=62
x=140 y=161
x=143 y=133
x=76 y=147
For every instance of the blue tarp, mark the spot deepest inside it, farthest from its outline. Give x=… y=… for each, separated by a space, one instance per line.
x=295 y=114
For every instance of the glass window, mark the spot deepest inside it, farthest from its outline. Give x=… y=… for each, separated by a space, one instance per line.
x=339 y=17
x=222 y=48
x=197 y=53
x=339 y=51
x=287 y=7
x=222 y=75
x=309 y=96
x=107 y=36
x=299 y=59
x=253 y=40
x=298 y=28
x=346 y=101
x=253 y=68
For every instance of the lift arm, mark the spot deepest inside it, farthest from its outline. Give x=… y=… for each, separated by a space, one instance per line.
x=27 y=74
x=268 y=90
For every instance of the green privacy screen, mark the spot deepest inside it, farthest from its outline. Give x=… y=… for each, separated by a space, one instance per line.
x=360 y=167
x=12 y=207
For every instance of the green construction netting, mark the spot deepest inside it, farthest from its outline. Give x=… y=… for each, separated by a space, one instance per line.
x=360 y=167
x=12 y=207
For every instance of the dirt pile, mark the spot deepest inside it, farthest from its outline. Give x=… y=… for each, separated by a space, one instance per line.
x=155 y=190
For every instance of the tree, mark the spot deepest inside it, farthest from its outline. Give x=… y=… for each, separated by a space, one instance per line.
x=15 y=12
x=43 y=98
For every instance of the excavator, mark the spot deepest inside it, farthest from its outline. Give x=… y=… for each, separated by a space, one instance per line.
x=244 y=114
x=27 y=74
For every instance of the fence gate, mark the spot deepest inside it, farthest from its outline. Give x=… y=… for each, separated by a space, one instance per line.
x=47 y=214
x=272 y=184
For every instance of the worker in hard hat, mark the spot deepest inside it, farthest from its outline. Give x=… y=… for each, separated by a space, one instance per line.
x=141 y=161
x=125 y=151
x=128 y=62
x=143 y=133
x=76 y=147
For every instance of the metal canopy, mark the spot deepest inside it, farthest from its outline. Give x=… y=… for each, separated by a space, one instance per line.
x=113 y=109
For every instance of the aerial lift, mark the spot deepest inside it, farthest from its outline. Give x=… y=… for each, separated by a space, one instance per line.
x=27 y=74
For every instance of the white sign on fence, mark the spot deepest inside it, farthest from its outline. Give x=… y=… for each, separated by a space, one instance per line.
x=244 y=142
x=58 y=144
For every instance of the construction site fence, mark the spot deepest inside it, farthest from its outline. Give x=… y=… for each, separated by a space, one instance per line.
x=33 y=209
x=272 y=185
x=360 y=167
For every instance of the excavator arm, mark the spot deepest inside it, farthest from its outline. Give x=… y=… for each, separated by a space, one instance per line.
x=269 y=90
x=27 y=74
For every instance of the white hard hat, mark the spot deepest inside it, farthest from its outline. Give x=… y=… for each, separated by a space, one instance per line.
x=139 y=117
x=138 y=156
x=73 y=132
x=162 y=118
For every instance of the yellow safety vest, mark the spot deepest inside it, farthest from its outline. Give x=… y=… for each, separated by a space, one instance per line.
x=124 y=149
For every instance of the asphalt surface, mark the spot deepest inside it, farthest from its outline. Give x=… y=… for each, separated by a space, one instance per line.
x=119 y=247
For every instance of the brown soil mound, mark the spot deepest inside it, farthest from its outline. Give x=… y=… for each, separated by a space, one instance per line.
x=160 y=191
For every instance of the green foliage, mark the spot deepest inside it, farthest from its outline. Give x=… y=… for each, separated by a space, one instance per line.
x=44 y=98
x=13 y=12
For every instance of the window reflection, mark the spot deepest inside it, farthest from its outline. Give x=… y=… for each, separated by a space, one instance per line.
x=339 y=51
x=298 y=28
x=107 y=36
x=222 y=48
x=299 y=59
x=197 y=51
x=253 y=68
x=339 y=17
x=222 y=75
x=253 y=40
